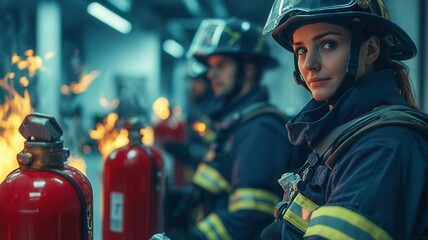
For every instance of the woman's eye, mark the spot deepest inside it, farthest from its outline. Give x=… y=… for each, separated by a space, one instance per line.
x=300 y=51
x=329 y=45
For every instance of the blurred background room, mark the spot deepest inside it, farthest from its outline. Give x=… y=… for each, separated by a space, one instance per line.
x=93 y=63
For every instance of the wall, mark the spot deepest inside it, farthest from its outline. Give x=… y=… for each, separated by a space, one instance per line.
x=112 y=54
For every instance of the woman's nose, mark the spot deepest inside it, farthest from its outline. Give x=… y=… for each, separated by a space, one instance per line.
x=312 y=62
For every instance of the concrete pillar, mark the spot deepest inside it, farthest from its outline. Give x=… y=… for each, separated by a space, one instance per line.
x=48 y=40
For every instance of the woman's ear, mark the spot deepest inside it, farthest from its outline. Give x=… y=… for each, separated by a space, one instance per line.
x=373 y=49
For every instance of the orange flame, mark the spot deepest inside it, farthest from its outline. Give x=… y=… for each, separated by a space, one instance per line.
x=161 y=108
x=32 y=63
x=15 y=109
x=110 y=138
x=80 y=86
x=77 y=163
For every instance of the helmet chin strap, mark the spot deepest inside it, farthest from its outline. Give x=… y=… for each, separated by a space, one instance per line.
x=351 y=66
x=238 y=83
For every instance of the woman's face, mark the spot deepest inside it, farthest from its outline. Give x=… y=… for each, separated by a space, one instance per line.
x=322 y=51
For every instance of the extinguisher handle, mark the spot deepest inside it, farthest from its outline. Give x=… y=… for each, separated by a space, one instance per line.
x=40 y=127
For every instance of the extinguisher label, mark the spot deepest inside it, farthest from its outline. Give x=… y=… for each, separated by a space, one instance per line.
x=116 y=212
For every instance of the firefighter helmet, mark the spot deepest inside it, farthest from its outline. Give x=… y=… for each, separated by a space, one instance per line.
x=234 y=37
x=195 y=69
x=287 y=15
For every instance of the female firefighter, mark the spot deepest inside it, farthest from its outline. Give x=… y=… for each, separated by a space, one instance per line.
x=368 y=175
x=236 y=183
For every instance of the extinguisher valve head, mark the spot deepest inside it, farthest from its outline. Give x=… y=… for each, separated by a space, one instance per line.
x=40 y=127
x=25 y=158
x=134 y=123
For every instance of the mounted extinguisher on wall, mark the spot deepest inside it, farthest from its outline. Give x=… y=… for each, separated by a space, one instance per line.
x=134 y=188
x=44 y=199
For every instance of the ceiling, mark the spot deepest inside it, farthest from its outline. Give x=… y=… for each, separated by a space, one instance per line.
x=176 y=19
x=182 y=17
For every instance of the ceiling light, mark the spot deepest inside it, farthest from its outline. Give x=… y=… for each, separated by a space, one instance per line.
x=173 y=48
x=108 y=17
x=122 y=5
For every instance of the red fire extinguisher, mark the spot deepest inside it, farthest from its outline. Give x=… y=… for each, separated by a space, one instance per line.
x=172 y=129
x=134 y=188
x=44 y=199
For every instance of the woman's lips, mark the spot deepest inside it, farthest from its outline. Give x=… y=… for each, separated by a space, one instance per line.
x=317 y=81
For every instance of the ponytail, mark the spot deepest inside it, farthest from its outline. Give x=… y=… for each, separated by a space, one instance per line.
x=401 y=72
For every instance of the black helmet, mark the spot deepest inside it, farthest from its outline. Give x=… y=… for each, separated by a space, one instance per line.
x=287 y=15
x=234 y=37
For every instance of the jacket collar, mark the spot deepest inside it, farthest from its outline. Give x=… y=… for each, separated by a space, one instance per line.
x=223 y=108
x=316 y=120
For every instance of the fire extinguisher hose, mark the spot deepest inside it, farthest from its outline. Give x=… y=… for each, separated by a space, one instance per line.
x=155 y=171
x=85 y=213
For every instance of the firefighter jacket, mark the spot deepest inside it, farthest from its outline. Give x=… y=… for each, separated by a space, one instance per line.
x=377 y=188
x=238 y=177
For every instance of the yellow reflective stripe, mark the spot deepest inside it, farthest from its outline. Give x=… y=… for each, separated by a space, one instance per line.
x=295 y=220
x=346 y=221
x=213 y=228
x=299 y=212
x=327 y=233
x=253 y=199
x=210 y=179
x=305 y=203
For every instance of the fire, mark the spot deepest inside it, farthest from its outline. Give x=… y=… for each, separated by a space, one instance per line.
x=161 y=108
x=14 y=109
x=199 y=127
x=110 y=138
x=32 y=63
x=80 y=86
x=77 y=163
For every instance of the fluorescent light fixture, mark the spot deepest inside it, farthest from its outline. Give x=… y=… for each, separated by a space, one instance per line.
x=122 y=5
x=173 y=48
x=193 y=7
x=108 y=17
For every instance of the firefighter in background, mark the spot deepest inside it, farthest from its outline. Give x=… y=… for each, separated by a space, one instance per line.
x=236 y=183
x=192 y=151
x=200 y=101
x=370 y=181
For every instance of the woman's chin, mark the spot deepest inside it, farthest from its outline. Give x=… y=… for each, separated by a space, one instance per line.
x=320 y=97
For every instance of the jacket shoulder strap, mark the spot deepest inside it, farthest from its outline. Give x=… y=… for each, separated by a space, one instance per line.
x=251 y=111
x=262 y=108
x=348 y=133
x=402 y=116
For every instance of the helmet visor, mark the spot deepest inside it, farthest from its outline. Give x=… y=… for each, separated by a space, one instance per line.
x=207 y=37
x=285 y=8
